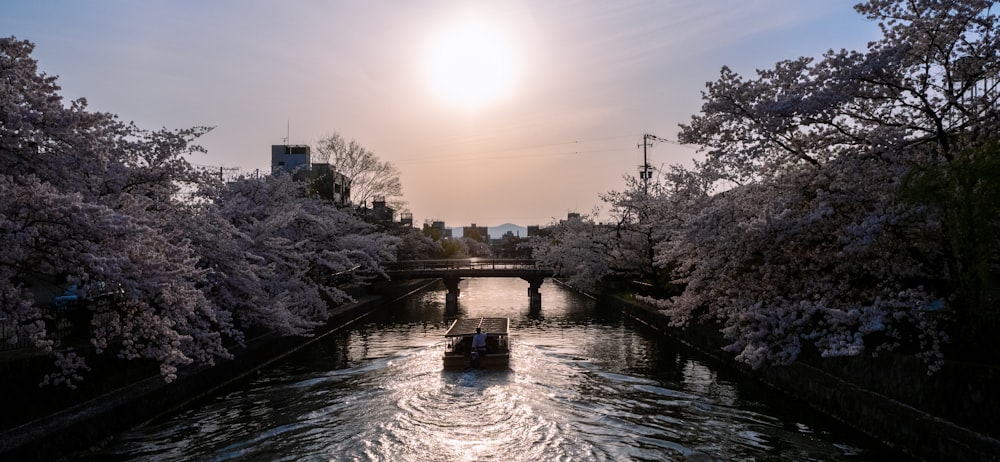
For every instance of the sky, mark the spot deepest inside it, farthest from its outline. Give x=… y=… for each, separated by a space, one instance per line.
x=493 y=111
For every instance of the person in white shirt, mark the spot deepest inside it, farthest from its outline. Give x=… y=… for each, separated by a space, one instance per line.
x=479 y=342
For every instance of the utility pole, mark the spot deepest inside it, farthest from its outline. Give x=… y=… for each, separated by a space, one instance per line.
x=645 y=171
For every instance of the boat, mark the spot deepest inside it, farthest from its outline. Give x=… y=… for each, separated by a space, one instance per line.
x=458 y=353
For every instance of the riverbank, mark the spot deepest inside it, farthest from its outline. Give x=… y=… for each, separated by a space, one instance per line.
x=53 y=431
x=952 y=415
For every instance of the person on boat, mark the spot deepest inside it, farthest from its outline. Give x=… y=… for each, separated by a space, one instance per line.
x=479 y=342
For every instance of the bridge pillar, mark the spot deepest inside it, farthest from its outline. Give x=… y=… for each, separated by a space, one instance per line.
x=534 y=294
x=451 y=283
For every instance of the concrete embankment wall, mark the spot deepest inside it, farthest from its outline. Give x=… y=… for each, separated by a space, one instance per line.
x=953 y=415
x=58 y=436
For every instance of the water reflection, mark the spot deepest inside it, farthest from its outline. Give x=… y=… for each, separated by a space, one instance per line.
x=584 y=384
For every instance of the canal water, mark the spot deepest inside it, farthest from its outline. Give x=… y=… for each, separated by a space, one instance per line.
x=585 y=383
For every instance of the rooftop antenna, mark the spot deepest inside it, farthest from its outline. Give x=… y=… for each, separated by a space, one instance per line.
x=288 y=130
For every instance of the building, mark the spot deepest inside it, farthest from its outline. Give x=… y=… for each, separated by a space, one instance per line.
x=380 y=212
x=437 y=231
x=323 y=180
x=406 y=219
x=294 y=159
x=478 y=233
x=328 y=184
x=509 y=246
x=384 y=216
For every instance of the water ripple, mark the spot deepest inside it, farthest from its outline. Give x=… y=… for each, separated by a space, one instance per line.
x=582 y=387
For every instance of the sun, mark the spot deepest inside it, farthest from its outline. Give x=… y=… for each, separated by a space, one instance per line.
x=471 y=64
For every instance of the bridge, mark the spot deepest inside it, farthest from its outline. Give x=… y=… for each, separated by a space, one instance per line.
x=452 y=271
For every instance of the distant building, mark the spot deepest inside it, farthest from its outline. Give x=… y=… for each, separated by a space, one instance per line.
x=384 y=216
x=534 y=230
x=572 y=216
x=437 y=231
x=509 y=246
x=406 y=219
x=323 y=180
x=478 y=233
x=381 y=213
x=294 y=159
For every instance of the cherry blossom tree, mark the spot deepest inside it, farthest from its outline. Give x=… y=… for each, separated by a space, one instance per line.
x=415 y=245
x=804 y=264
x=464 y=247
x=814 y=249
x=86 y=194
x=286 y=255
x=646 y=213
x=577 y=248
x=159 y=274
x=635 y=230
x=476 y=249
x=931 y=77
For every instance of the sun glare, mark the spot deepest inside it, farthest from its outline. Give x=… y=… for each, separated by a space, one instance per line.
x=471 y=65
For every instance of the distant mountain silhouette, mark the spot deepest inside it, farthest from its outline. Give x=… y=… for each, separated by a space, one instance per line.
x=497 y=232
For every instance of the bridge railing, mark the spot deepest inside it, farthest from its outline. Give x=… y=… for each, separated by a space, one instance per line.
x=464 y=263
